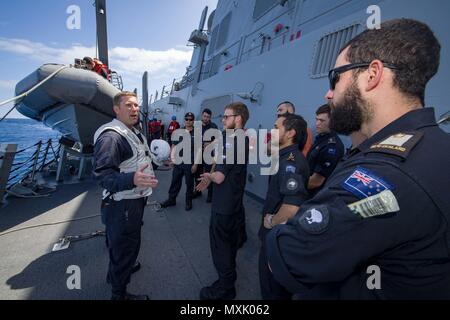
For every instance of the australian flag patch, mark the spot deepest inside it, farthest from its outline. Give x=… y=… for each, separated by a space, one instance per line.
x=363 y=183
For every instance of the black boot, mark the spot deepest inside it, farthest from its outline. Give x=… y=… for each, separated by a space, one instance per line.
x=216 y=292
x=196 y=194
x=136 y=268
x=169 y=203
x=209 y=197
x=129 y=296
x=188 y=204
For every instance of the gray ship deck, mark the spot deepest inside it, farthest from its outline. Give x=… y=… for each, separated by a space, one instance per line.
x=175 y=255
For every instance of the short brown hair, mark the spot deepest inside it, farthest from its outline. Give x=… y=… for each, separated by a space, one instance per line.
x=408 y=44
x=324 y=109
x=118 y=97
x=239 y=109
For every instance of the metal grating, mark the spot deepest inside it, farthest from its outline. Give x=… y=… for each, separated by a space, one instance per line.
x=328 y=49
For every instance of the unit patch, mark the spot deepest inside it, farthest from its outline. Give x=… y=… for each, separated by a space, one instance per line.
x=377 y=205
x=290 y=169
x=315 y=220
x=399 y=144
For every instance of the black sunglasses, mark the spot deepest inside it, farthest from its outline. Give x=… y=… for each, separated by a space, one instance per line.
x=188 y=119
x=335 y=74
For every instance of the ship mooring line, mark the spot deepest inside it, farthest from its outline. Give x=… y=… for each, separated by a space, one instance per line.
x=48 y=224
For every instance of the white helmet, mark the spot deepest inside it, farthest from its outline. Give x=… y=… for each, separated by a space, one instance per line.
x=160 y=151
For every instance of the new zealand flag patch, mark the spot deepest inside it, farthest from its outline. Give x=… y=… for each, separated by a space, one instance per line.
x=363 y=183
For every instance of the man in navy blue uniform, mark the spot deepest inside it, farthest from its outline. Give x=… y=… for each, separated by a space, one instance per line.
x=326 y=151
x=227 y=209
x=123 y=166
x=285 y=194
x=204 y=167
x=183 y=169
x=379 y=229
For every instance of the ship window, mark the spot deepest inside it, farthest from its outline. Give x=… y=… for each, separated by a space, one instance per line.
x=262 y=7
x=223 y=32
x=328 y=47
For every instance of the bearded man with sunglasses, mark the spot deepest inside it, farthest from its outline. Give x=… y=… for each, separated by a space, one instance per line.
x=379 y=229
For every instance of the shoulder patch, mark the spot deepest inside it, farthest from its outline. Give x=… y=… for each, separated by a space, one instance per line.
x=291 y=169
x=315 y=220
x=377 y=205
x=332 y=151
x=399 y=144
x=364 y=183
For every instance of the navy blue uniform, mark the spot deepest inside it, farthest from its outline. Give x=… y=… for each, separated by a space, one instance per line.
x=287 y=186
x=183 y=169
x=123 y=219
x=325 y=154
x=386 y=206
x=228 y=215
x=202 y=168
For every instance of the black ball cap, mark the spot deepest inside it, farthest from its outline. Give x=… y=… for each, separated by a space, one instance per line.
x=189 y=115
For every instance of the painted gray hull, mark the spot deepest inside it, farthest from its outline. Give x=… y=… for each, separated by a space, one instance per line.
x=75 y=102
x=294 y=64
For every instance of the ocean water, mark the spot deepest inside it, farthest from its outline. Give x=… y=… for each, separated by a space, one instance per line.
x=26 y=133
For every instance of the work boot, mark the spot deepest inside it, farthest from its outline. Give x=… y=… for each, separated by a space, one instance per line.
x=188 y=204
x=136 y=267
x=129 y=296
x=169 y=203
x=216 y=292
x=209 y=197
x=196 y=194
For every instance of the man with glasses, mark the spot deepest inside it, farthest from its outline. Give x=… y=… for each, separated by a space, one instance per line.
x=326 y=151
x=379 y=229
x=227 y=209
x=183 y=169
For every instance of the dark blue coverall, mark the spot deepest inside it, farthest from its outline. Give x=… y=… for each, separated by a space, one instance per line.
x=123 y=219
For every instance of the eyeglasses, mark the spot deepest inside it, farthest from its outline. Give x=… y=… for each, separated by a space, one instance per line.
x=229 y=115
x=335 y=74
x=188 y=119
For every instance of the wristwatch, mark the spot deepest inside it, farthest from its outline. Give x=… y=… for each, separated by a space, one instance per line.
x=269 y=220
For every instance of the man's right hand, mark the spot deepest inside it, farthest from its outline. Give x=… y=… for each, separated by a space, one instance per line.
x=142 y=179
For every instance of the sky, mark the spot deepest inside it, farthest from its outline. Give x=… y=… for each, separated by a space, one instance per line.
x=143 y=35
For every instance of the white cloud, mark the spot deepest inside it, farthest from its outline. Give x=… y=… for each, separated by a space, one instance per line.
x=8 y=84
x=163 y=66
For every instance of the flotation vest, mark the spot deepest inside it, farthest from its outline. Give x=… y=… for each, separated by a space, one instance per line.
x=141 y=156
x=174 y=125
x=101 y=68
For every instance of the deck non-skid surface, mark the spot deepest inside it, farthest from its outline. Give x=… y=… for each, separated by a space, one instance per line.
x=175 y=253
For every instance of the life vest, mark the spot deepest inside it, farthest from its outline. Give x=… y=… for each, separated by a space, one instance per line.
x=101 y=68
x=174 y=125
x=141 y=156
